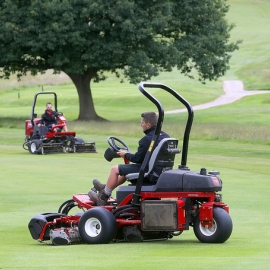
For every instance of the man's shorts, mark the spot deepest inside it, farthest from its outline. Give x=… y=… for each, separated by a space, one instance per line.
x=125 y=169
x=49 y=126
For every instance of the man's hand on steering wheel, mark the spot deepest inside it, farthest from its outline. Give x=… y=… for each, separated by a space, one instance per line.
x=122 y=153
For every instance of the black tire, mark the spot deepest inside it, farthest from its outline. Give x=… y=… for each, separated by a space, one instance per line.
x=78 y=141
x=219 y=232
x=97 y=226
x=33 y=147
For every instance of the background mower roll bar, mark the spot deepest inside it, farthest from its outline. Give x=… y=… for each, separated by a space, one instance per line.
x=33 y=115
x=136 y=196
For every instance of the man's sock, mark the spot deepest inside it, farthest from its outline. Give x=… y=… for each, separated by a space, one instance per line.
x=108 y=191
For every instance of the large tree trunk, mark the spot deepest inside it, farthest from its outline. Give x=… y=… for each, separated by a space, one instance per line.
x=82 y=83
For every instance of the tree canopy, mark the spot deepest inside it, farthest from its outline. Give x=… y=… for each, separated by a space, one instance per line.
x=135 y=39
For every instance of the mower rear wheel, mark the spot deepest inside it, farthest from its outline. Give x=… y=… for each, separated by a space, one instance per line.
x=97 y=226
x=34 y=147
x=78 y=141
x=220 y=230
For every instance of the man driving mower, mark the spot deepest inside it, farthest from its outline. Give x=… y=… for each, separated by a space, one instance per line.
x=49 y=119
x=118 y=172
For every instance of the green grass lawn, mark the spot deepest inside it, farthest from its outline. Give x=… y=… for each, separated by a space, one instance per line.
x=33 y=184
x=251 y=62
x=233 y=139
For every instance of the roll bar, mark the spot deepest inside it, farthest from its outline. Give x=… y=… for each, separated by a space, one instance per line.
x=136 y=196
x=35 y=100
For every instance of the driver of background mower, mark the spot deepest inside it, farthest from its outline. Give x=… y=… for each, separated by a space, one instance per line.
x=118 y=173
x=49 y=118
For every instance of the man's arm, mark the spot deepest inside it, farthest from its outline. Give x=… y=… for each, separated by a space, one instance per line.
x=138 y=157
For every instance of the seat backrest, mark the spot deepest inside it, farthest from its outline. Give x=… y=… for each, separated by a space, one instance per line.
x=162 y=158
x=39 y=131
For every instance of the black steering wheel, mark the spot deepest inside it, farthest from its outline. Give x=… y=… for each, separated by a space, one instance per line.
x=113 y=142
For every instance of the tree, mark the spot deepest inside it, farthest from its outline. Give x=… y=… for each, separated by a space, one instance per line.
x=132 y=39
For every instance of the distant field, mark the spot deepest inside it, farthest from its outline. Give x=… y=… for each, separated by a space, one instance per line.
x=246 y=120
x=251 y=63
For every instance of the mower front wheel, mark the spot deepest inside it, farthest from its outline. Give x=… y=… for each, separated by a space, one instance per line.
x=220 y=230
x=33 y=147
x=97 y=226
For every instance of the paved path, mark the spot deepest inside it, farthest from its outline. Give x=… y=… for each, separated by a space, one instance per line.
x=234 y=90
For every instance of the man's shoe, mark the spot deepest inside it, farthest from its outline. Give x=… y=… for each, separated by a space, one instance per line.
x=98 y=186
x=99 y=198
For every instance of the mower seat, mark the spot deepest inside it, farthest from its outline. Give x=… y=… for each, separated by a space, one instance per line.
x=39 y=132
x=162 y=159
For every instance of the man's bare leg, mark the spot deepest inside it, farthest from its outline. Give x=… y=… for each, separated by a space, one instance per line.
x=121 y=180
x=113 y=179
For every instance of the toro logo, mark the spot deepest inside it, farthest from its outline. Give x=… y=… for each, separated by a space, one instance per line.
x=215 y=181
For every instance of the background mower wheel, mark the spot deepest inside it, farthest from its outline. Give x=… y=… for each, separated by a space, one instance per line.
x=78 y=141
x=34 y=146
x=97 y=226
x=219 y=232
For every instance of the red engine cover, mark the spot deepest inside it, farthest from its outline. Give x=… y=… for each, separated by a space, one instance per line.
x=29 y=127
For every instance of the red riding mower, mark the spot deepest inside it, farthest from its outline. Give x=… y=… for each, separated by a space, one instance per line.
x=159 y=203
x=41 y=140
